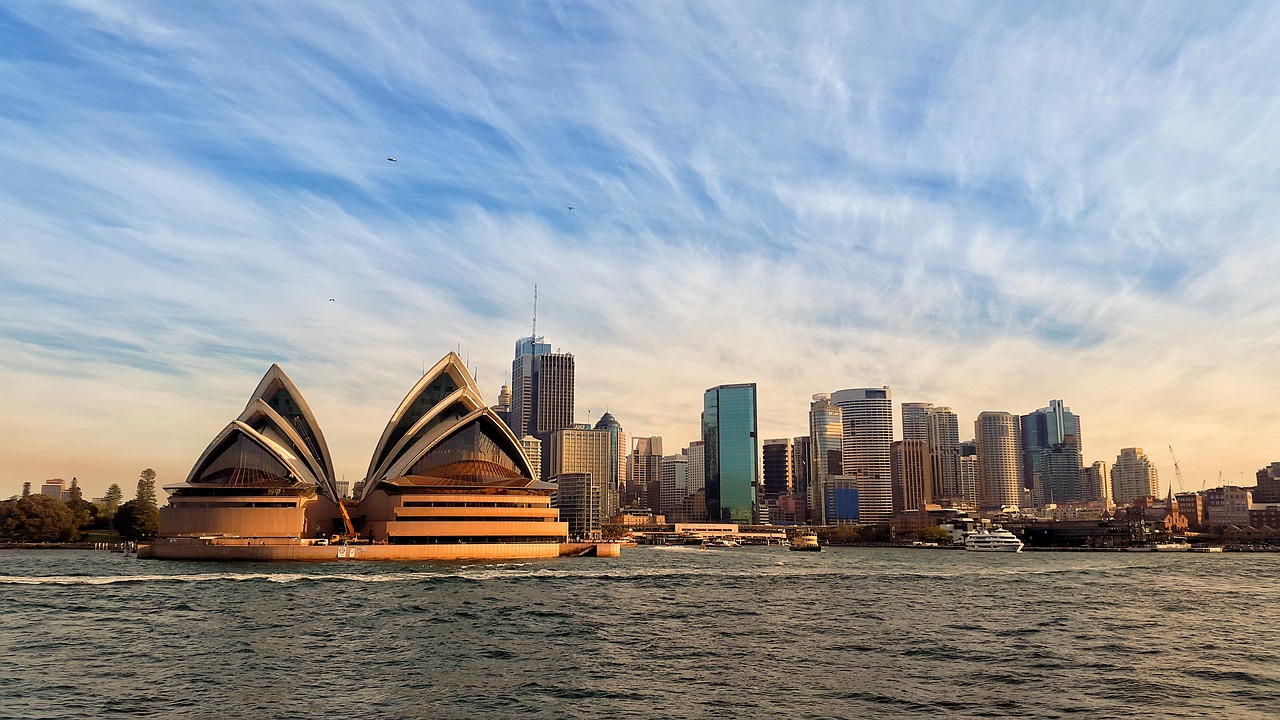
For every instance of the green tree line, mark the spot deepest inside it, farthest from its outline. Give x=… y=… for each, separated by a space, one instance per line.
x=42 y=518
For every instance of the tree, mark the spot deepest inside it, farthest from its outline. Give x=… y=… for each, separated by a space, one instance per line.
x=147 y=488
x=26 y=489
x=933 y=533
x=37 y=518
x=114 y=497
x=136 y=520
x=86 y=512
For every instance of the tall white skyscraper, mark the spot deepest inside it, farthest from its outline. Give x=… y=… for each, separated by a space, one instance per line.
x=867 y=417
x=1133 y=476
x=996 y=434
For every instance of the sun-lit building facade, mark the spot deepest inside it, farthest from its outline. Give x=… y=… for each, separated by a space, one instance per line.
x=447 y=477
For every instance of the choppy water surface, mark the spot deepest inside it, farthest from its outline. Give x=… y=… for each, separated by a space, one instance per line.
x=658 y=633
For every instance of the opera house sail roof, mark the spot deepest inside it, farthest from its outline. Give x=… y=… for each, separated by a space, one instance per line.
x=447 y=480
x=443 y=429
x=274 y=443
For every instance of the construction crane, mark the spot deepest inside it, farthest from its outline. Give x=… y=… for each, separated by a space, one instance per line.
x=1177 y=471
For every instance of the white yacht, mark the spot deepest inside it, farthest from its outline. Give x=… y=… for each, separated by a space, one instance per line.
x=997 y=540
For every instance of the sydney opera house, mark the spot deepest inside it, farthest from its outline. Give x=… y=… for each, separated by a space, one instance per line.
x=447 y=480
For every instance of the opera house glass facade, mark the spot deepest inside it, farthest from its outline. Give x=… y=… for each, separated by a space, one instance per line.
x=446 y=473
x=731 y=452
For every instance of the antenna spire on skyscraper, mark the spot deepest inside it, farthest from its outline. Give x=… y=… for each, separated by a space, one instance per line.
x=534 y=334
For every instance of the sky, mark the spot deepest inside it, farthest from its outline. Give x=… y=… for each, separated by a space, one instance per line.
x=982 y=205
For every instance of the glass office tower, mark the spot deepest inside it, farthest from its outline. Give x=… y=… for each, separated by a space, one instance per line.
x=731 y=447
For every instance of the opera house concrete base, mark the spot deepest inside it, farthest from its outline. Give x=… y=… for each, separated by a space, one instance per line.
x=226 y=549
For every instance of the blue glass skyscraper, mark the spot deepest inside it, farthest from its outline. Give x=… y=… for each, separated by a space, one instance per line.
x=732 y=452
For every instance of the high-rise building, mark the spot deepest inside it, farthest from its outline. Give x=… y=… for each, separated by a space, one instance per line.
x=532 y=448
x=673 y=477
x=826 y=451
x=541 y=392
x=800 y=469
x=580 y=450
x=1097 y=483
x=778 y=467
x=521 y=401
x=911 y=471
x=619 y=450
x=1041 y=431
x=1268 y=490
x=503 y=408
x=697 y=465
x=1133 y=476
x=996 y=435
x=915 y=420
x=867 y=416
x=732 y=452
x=643 y=486
x=944 y=453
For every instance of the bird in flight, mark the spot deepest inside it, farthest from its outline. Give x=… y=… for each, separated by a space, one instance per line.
x=391 y=159
x=332 y=300
x=570 y=207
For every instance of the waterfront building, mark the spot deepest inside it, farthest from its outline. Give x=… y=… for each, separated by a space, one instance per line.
x=697 y=465
x=619 y=457
x=1227 y=506
x=1096 y=483
x=447 y=480
x=1268 y=489
x=581 y=450
x=644 y=486
x=842 y=500
x=1191 y=504
x=1041 y=430
x=266 y=474
x=731 y=452
x=778 y=467
x=673 y=475
x=996 y=436
x=911 y=472
x=1133 y=476
x=826 y=451
x=944 y=454
x=1059 y=476
x=867 y=419
x=578 y=498
x=970 y=489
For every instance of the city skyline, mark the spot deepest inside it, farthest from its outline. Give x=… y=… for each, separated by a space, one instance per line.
x=982 y=206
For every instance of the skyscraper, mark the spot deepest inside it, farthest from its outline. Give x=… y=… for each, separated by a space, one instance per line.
x=867 y=416
x=777 y=466
x=581 y=451
x=619 y=449
x=643 y=486
x=911 y=472
x=1097 y=483
x=826 y=451
x=541 y=392
x=732 y=452
x=1133 y=476
x=1050 y=438
x=996 y=434
x=939 y=427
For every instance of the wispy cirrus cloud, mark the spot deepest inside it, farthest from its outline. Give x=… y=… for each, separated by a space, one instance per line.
x=981 y=205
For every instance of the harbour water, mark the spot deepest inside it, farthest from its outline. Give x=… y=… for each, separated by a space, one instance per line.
x=657 y=633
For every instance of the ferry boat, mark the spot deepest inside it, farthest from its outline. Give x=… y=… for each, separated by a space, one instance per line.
x=807 y=542
x=997 y=540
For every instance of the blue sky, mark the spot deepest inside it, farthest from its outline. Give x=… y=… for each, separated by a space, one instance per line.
x=982 y=205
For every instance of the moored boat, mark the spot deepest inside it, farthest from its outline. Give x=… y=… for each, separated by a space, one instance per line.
x=997 y=540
